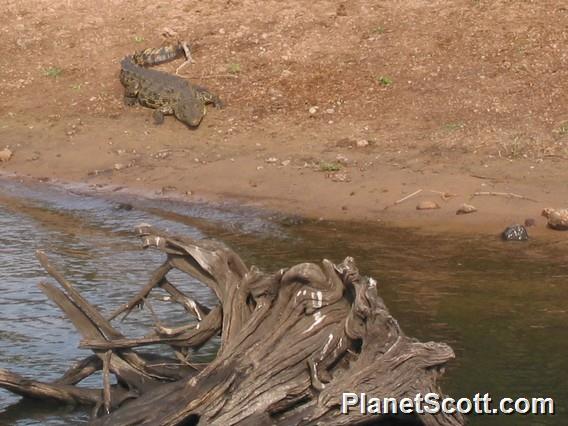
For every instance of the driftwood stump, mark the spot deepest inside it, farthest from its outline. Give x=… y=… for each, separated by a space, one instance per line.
x=291 y=343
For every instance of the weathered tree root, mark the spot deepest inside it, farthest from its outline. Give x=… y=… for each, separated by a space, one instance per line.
x=291 y=343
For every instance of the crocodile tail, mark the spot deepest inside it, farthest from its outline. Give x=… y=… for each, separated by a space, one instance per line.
x=155 y=56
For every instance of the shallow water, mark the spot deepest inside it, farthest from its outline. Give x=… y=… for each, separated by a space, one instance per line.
x=503 y=307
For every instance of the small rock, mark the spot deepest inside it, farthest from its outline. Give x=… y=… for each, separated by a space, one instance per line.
x=427 y=205
x=530 y=222
x=362 y=143
x=339 y=177
x=5 y=155
x=515 y=233
x=466 y=209
x=329 y=111
x=292 y=220
x=313 y=110
x=167 y=189
x=271 y=160
x=285 y=163
x=342 y=159
x=123 y=206
x=161 y=155
x=34 y=157
x=557 y=219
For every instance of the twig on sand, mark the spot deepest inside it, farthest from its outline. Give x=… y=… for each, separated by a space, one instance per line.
x=562 y=157
x=484 y=177
x=504 y=194
x=403 y=199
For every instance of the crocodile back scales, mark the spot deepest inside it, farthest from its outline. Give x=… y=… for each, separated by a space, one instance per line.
x=156 y=56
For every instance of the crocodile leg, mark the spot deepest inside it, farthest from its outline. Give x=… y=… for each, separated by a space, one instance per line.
x=129 y=100
x=131 y=94
x=188 y=58
x=207 y=97
x=158 y=116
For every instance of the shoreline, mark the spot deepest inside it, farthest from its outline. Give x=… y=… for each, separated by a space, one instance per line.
x=315 y=199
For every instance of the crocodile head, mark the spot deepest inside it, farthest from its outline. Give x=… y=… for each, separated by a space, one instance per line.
x=189 y=111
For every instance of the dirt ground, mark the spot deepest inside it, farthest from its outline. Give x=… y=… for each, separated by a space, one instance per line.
x=333 y=109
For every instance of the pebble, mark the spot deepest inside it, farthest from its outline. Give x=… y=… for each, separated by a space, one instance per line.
x=362 y=143
x=285 y=163
x=339 y=177
x=515 y=233
x=466 y=209
x=557 y=218
x=123 y=206
x=342 y=159
x=271 y=160
x=5 y=155
x=162 y=155
x=427 y=205
x=313 y=110
x=167 y=189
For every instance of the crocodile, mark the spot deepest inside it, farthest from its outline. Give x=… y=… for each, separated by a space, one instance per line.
x=167 y=94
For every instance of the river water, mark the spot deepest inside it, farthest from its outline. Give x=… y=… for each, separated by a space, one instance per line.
x=503 y=307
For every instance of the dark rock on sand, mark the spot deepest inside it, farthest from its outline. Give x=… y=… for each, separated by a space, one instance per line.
x=515 y=233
